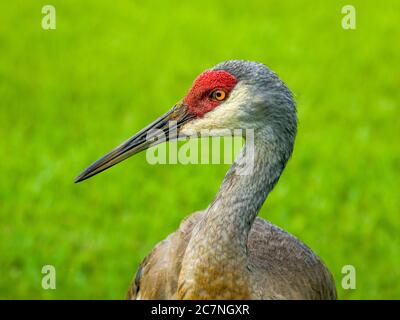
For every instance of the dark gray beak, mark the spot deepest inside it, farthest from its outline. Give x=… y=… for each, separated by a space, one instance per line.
x=163 y=129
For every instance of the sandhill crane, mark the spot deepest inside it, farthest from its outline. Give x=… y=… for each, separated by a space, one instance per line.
x=226 y=251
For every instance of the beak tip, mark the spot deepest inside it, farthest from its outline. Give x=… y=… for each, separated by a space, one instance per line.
x=80 y=178
x=77 y=180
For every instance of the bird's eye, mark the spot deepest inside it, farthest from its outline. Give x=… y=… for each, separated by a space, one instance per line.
x=218 y=95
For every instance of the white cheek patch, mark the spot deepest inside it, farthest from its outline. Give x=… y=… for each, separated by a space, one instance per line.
x=226 y=115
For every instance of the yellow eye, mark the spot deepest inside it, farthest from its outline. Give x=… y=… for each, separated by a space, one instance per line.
x=218 y=95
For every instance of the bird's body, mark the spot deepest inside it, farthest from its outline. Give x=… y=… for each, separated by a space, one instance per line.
x=282 y=267
x=225 y=251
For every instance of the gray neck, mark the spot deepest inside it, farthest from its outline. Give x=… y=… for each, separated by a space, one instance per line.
x=217 y=251
x=244 y=190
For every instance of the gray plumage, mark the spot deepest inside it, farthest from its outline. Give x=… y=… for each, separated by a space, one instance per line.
x=290 y=269
x=226 y=252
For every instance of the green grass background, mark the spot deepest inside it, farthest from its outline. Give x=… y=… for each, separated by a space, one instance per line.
x=69 y=95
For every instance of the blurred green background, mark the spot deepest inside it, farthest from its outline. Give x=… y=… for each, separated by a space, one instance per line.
x=69 y=95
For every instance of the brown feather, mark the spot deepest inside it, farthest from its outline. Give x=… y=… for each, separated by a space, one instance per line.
x=281 y=266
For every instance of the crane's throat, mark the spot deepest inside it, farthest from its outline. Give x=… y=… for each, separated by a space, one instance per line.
x=216 y=263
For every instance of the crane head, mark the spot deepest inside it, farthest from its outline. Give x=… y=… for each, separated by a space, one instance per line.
x=235 y=94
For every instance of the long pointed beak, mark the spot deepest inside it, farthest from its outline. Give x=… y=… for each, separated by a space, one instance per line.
x=163 y=129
